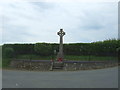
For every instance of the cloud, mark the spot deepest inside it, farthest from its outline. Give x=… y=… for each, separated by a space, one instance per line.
x=27 y=22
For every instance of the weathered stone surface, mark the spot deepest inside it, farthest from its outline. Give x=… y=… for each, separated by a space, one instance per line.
x=60 y=55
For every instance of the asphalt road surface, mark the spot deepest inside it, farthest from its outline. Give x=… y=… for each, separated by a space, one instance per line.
x=101 y=78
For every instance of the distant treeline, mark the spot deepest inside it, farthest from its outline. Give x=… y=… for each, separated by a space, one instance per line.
x=101 y=48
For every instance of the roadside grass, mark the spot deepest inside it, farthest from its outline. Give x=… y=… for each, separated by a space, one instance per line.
x=6 y=62
x=90 y=58
x=67 y=57
x=34 y=57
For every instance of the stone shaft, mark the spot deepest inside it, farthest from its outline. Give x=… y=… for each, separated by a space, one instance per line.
x=61 y=33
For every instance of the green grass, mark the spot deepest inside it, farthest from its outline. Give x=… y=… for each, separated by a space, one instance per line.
x=34 y=57
x=6 y=62
x=90 y=58
x=68 y=57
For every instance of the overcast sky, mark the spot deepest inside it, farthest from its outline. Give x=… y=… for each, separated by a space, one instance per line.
x=31 y=22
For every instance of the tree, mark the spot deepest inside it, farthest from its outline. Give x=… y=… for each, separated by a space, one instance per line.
x=43 y=49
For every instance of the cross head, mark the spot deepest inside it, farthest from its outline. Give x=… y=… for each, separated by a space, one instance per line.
x=61 y=32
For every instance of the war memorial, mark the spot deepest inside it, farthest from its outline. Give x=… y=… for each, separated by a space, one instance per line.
x=60 y=73
x=60 y=63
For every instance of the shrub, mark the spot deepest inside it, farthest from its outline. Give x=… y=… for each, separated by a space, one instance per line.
x=43 y=49
x=8 y=52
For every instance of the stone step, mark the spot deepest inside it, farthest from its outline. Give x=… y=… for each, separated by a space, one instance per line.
x=57 y=70
x=57 y=67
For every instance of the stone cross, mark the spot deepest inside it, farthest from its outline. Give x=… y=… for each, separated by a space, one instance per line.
x=61 y=33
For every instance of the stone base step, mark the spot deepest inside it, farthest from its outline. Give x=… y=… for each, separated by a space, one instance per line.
x=57 y=69
x=57 y=65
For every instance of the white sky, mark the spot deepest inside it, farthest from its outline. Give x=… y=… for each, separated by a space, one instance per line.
x=39 y=21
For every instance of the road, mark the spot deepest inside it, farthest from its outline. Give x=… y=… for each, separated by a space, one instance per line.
x=101 y=78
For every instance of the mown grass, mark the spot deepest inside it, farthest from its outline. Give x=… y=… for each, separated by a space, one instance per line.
x=67 y=57
x=90 y=58
x=34 y=57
